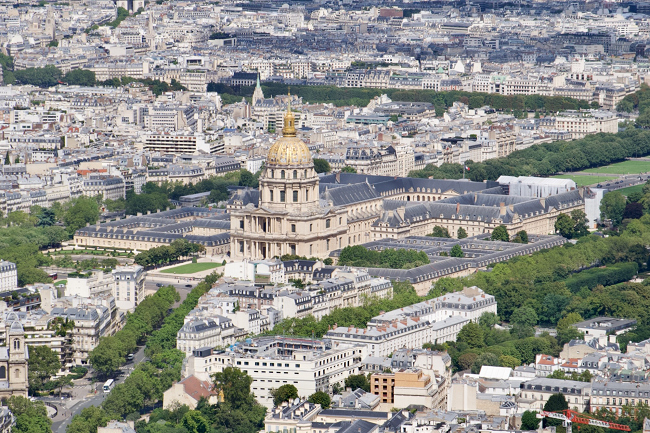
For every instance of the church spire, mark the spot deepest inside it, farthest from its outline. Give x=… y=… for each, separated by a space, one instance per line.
x=258 y=94
x=289 y=129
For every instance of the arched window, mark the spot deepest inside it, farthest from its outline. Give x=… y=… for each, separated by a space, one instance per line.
x=295 y=174
x=17 y=344
x=282 y=174
x=3 y=372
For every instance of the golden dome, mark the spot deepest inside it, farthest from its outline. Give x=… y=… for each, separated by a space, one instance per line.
x=289 y=149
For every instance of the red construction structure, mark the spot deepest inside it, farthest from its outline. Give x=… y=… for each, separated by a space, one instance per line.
x=569 y=416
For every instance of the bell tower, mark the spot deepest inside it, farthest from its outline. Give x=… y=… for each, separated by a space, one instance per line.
x=18 y=355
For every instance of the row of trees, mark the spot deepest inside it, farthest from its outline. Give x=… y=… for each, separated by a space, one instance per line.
x=343 y=96
x=389 y=258
x=145 y=385
x=50 y=75
x=165 y=254
x=550 y=158
x=110 y=354
x=607 y=276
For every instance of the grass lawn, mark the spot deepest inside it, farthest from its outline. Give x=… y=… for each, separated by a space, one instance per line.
x=58 y=282
x=191 y=268
x=631 y=189
x=625 y=167
x=582 y=180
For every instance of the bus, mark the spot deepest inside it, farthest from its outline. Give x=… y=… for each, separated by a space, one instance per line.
x=53 y=275
x=110 y=383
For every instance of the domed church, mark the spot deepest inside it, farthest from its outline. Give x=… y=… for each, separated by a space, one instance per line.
x=290 y=217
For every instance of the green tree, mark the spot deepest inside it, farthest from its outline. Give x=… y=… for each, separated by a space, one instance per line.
x=521 y=237
x=462 y=234
x=108 y=356
x=566 y=332
x=63 y=382
x=284 y=393
x=612 y=207
x=348 y=169
x=46 y=218
x=555 y=403
x=523 y=319
x=508 y=361
x=83 y=211
x=53 y=43
x=472 y=334
x=322 y=398
x=440 y=232
x=456 y=251
x=80 y=77
x=247 y=179
x=321 y=166
x=88 y=420
x=235 y=386
x=579 y=219
x=564 y=225
x=194 y=422
x=485 y=358
x=488 y=320
x=529 y=420
x=357 y=381
x=466 y=360
x=31 y=417
x=43 y=364
x=500 y=233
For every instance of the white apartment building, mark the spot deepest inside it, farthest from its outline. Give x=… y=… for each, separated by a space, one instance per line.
x=89 y=285
x=197 y=334
x=267 y=271
x=128 y=289
x=8 y=276
x=385 y=338
x=177 y=143
x=583 y=123
x=309 y=365
x=109 y=187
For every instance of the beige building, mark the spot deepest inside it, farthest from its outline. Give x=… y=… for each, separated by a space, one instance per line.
x=188 y=392
x=13 y=361
x=407 y=387
x=290 y=219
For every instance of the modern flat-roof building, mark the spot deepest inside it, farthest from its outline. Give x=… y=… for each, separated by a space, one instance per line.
x=308 y=364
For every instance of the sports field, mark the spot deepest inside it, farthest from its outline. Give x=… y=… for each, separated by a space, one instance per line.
x=191 y=268
x=625 y=167
x=582 y=180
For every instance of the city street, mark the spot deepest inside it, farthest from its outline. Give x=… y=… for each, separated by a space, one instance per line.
x=83 y=395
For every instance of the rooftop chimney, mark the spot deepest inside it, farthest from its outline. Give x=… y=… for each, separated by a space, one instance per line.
x=502 y=210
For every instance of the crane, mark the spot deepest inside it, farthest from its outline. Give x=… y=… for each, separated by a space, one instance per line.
x=569 y=416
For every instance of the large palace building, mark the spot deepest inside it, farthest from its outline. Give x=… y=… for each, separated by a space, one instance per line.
x=296 y=211
x=290 y=217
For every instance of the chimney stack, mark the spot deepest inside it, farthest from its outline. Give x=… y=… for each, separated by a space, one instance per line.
x=502 y=208
x=457 y=208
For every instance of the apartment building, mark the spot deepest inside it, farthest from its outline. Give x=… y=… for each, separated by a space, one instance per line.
x=89 y=284
x=92 y=320
x=128 y=287
x=106 y=186
x=535 y=393
x=177 y=143
x=8 y=276
x=582 y=123
x=308 y=364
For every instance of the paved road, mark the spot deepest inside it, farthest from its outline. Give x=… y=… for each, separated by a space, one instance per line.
x=180 y=283
x=68 y=408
